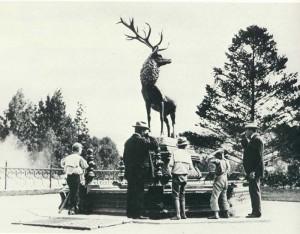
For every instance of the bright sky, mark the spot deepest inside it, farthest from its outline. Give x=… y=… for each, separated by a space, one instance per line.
x=79 y=48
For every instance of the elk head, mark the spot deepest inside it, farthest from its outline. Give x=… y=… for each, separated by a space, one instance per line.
x=155 y=55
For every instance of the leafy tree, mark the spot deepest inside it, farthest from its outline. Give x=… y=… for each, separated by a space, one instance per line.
x=4 y=129
x=249 y=87
x=53 y=112
x=14 y=113
x=202 y=141
x=293 y=173
x=80 y=123
x=19 y=119
x=106 y=153
x=288 y=133
x=49 y=132
x=46 y=157
x=288 y=141
x=52 y=118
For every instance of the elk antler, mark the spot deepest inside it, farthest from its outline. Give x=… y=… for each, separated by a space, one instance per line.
x=145 y=39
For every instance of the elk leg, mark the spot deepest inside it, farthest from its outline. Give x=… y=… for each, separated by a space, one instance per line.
x=161 y=118
x=168 y=125
x=173 y=123
x=148 y=108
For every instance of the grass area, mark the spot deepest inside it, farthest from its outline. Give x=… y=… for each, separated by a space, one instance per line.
x=280 y=194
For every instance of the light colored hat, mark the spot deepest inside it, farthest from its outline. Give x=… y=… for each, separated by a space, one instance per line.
x=76 y=146
x=182 y=141
x=140 y=124
x=251 y=125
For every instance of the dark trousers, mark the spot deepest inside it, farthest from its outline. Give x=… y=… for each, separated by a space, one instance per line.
x=135 y=197
x=255 y=195
x=73 y=183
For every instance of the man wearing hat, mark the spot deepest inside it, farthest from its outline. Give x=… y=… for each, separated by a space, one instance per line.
x=254 y=167
x=220 y=185
x=74 y=166
x=136 y=155
x=180 y=163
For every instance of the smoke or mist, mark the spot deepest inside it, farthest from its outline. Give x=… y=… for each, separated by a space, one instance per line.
x=41 y=159
x=15 y=154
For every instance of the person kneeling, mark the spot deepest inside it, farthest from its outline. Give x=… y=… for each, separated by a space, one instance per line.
x=220 y=185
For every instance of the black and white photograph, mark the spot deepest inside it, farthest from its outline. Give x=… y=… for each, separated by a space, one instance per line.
x=150 y=117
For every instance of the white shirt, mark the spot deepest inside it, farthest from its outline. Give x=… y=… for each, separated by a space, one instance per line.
x=181 y=162
x=74 y=164
x=222 y=166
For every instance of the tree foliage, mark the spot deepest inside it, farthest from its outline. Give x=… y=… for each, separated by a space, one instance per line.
x=106 y=153
x=19 y=119
x=251 y=86
x=288 y=141
x=283 y=177
x=81 y=126
x=49 y=132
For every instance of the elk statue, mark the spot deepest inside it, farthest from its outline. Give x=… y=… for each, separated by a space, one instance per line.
x=153 y=97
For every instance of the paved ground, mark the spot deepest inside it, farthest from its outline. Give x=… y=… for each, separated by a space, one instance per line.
x=279 y=217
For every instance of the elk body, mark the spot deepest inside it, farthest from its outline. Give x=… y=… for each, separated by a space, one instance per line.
x=152 y=95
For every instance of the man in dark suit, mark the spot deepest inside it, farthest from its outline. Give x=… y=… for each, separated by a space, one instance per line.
x=136 y=160
x=254 y=166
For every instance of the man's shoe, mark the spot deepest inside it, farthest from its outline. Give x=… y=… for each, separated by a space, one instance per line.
x=176 y=218
x=71 y=212
x=76 y=210
x=253 y=216
x=225 y=214
x=183 y=216
x=213 y=217
x=140 y=217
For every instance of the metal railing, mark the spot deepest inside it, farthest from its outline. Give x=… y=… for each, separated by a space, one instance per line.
x=15 y=178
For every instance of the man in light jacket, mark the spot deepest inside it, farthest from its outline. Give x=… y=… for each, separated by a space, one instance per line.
x=74 y=166
x=220 y=185
x=181 y=164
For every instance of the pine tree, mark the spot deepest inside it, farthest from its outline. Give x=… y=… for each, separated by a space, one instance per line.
x=251 y=86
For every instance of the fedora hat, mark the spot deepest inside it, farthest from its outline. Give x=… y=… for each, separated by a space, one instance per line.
x=251 y=125
x=140 y=124
x=182 y=141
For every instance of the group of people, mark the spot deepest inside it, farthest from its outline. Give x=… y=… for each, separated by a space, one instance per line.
x=136 y=159
x=136 y=156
